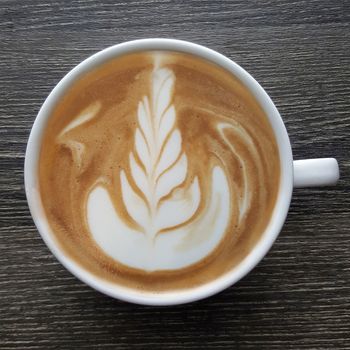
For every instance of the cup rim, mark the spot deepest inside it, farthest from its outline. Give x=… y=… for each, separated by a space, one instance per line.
x=178 y=296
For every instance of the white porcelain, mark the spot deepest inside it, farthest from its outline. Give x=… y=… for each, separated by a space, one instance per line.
x=313 y=172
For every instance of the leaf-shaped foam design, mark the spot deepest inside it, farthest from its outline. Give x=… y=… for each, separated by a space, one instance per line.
x=134 y=204
x=179 y=209
x=172 y=178
x=170 y=152
x=163 y=81
x=166 y=124
x=144 y=122
x=173 y=233
x=139 y=176
x=158 y=145
x=142 y=150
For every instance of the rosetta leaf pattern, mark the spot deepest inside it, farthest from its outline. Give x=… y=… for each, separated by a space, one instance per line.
x=158 y=165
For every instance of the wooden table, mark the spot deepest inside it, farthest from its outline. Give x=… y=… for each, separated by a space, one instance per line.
x=299 y=296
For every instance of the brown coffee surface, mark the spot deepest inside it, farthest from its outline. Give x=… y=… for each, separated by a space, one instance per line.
x=90 y=135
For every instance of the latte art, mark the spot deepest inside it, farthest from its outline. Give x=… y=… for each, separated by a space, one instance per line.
x=166 y=212
x=158 y=171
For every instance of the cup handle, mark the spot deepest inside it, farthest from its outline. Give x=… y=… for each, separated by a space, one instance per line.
x=315 y=172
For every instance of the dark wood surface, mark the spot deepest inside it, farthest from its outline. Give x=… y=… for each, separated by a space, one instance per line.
x=299 y=296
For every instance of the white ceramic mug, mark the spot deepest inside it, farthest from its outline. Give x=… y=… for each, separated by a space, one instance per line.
x=311 y=172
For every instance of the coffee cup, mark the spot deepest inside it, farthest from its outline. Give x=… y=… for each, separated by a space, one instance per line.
x=291 y=174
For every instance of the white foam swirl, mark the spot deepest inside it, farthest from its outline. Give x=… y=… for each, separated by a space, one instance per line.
x=171 y=234
x=158 y=148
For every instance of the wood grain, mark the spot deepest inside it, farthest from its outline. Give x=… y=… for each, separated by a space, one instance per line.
x=299 y=296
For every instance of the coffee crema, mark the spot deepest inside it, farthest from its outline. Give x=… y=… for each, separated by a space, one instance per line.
x=158 y=171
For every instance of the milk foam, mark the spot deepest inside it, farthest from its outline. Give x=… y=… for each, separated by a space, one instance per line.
x=173 y=249
x=162 y=207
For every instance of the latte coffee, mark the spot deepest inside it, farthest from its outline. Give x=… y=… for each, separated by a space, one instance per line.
x=158 y=171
